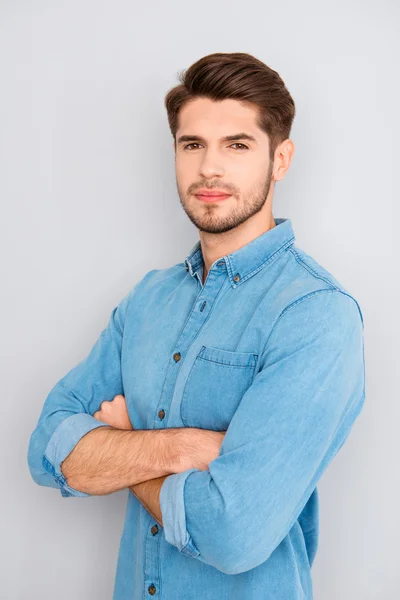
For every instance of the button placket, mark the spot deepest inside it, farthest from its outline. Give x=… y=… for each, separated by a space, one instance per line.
x=152 y=560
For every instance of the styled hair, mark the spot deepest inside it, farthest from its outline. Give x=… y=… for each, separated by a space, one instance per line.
x=239 y=76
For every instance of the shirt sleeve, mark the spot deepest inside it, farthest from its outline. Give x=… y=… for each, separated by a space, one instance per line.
x=289 y=425
x=67 y=411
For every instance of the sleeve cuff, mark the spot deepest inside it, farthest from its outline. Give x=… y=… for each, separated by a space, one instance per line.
x=172 y=505
x=62 y=442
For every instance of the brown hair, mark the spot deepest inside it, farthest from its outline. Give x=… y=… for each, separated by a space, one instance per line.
x=242 y=77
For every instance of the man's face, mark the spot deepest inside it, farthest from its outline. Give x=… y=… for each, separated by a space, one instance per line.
x=240 y=167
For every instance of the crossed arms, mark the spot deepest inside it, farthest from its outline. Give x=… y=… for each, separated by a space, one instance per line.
x=290 y=423
x=108 y=459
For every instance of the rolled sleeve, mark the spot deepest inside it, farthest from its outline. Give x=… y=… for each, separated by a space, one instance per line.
x=172 y=507
x=67 y=413
x=62 y=442
x=289 y=425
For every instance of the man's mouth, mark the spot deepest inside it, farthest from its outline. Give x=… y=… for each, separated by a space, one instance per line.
x=212 y=196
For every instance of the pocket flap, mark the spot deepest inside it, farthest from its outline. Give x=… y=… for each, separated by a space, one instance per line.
x=228 y=357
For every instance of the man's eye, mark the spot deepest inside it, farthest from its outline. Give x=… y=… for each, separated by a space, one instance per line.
x=235 y=144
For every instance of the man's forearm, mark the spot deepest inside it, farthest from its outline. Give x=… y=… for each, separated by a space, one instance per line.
x=148 y=492
x=106 y=459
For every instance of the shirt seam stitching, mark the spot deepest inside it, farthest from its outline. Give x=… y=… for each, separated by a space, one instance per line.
x=311 y=270
x=310 y=295
x=307 y=297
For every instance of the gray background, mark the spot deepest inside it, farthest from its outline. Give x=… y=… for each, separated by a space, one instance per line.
x=89 y=205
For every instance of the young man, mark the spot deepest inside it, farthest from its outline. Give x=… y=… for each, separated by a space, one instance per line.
x=223 y=386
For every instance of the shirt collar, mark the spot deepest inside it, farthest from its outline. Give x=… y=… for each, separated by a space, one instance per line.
x=249 y=259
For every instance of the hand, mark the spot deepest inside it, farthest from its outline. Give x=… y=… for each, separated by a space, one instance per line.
x=114 y=413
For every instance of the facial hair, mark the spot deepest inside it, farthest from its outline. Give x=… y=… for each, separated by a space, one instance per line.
x=210 y=222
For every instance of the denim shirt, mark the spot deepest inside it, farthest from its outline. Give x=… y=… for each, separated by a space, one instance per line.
x=271 y=350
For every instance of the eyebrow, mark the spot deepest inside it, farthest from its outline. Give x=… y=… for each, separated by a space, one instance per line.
x=226 y=138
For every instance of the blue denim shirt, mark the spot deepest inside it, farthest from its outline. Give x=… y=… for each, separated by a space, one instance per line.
x=271 y=350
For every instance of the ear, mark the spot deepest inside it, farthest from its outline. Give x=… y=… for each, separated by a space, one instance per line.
x=283 y=156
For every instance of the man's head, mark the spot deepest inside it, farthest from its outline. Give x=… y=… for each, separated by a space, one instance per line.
x=220 y=96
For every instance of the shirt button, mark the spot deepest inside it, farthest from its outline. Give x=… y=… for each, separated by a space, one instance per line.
x=220 y=263
x=161 y=414
x=237 y=277
x=187 y=267
x=152 y=589
x=154 y=529
x=177 y=356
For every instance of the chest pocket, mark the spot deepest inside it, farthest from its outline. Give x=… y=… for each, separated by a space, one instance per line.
x=214 y=387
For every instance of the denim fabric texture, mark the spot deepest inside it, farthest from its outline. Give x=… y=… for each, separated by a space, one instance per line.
x=271 y=350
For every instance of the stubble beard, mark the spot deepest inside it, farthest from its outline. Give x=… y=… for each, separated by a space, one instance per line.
x=211 y=222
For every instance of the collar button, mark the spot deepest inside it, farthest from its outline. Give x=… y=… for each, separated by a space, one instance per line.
x=237 y=277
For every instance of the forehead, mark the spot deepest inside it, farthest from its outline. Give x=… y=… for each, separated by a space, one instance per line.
x=214 y=116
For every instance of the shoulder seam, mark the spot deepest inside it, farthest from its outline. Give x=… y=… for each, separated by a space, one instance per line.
x=333 y=287
x=311 y=270
x=311 y=294
x=307 y=297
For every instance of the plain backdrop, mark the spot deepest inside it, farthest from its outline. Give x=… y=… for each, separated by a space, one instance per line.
x=89 y=205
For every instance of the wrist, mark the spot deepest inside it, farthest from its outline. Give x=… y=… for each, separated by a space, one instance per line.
x=176 y=442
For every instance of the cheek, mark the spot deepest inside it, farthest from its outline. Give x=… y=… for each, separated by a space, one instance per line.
x=249 y=177
x=180 y=169
x=185 y=177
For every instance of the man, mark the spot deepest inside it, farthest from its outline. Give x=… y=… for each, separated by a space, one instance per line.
x=223 y=386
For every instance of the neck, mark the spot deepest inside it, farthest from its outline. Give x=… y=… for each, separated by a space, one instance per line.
x=215 y=246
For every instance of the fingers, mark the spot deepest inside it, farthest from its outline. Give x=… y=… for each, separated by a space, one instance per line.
x=119 y=399
x=103 y=411
x=114 y=411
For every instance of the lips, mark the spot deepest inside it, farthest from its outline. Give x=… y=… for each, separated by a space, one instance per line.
x=205 y=192
x=209 y=198
x=212 y=196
